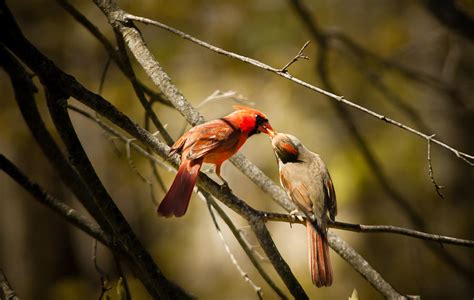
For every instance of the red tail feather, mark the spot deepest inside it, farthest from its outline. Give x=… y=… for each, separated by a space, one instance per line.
x=318 y=255
x=177 y=199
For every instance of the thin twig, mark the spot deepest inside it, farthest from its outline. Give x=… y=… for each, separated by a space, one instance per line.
x=104 y=74
x=123 y=138
x=376 y=228
x=244 y=275
x=70 y=214
x=109 y=48
x=468 y=158
x=139 y=91
x=104 y=277
x=296 y=58
x=430 y=169
x=132 y=165
x=255 y=257
x=219 y=95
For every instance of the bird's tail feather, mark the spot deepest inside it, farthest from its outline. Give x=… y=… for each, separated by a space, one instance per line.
x=177 y=199
x=318 y=255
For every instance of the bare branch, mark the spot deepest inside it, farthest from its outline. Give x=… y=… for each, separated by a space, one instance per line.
x=468 y=158
x=296 y=58
x=430 y=169
x=103 y=76
x=104 y=277
x=71 y=215
x=246 y=277
x=219 y=95
x=122 y=137
x=248 y=250
x=362 y=266
x=128 y=69
x=109 y=48
x=376 y=228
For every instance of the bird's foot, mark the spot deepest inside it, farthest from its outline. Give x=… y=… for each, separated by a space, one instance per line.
x=225 y=187
x=296 y=215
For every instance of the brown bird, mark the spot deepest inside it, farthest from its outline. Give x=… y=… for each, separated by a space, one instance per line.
x=307 y=181
x=212 y=142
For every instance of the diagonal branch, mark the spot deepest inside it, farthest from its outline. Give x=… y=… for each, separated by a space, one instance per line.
x=363 y=267
x=245 y=246
x=468 y=158
x=246 y=277
x=109 y=48
x=71 y=215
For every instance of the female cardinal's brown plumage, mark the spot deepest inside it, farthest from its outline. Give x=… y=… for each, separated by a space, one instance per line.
x=308 y=183
x=212 y=142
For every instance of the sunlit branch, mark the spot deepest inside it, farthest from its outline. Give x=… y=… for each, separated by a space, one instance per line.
x=464 y=156
x=376 y=229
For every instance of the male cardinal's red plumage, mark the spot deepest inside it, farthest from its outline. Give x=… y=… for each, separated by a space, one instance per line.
x=212 y=142
x=308 y=183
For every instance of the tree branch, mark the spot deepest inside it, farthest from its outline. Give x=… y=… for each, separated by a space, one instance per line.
x=375 y=229
x=244 y=246
x=363 y=267
x=109 y=48
x=70 y=214
x=245 y=276
x=468 y=158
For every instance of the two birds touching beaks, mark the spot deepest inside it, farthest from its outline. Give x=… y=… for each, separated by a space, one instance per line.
x=303 y=175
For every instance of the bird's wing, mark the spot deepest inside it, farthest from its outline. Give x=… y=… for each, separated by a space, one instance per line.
x=329 y=195
x=298 y=192
x=179 y=144
x=208 y=137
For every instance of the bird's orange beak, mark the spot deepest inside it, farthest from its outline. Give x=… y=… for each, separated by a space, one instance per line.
x=267 y=129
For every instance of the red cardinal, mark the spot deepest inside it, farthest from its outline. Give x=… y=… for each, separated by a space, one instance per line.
x=212 y=142
x=308 y=183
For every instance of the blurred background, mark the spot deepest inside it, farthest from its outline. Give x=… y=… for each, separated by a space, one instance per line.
x=44 y=258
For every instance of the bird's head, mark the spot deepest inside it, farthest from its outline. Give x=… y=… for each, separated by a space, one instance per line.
x=287 y=147
x=250 y=121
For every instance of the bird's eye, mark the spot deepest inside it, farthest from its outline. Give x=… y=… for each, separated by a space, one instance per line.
x=260 y=120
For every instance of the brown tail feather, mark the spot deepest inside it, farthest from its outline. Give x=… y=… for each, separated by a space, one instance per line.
x=177 y=199
x=318 y=255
